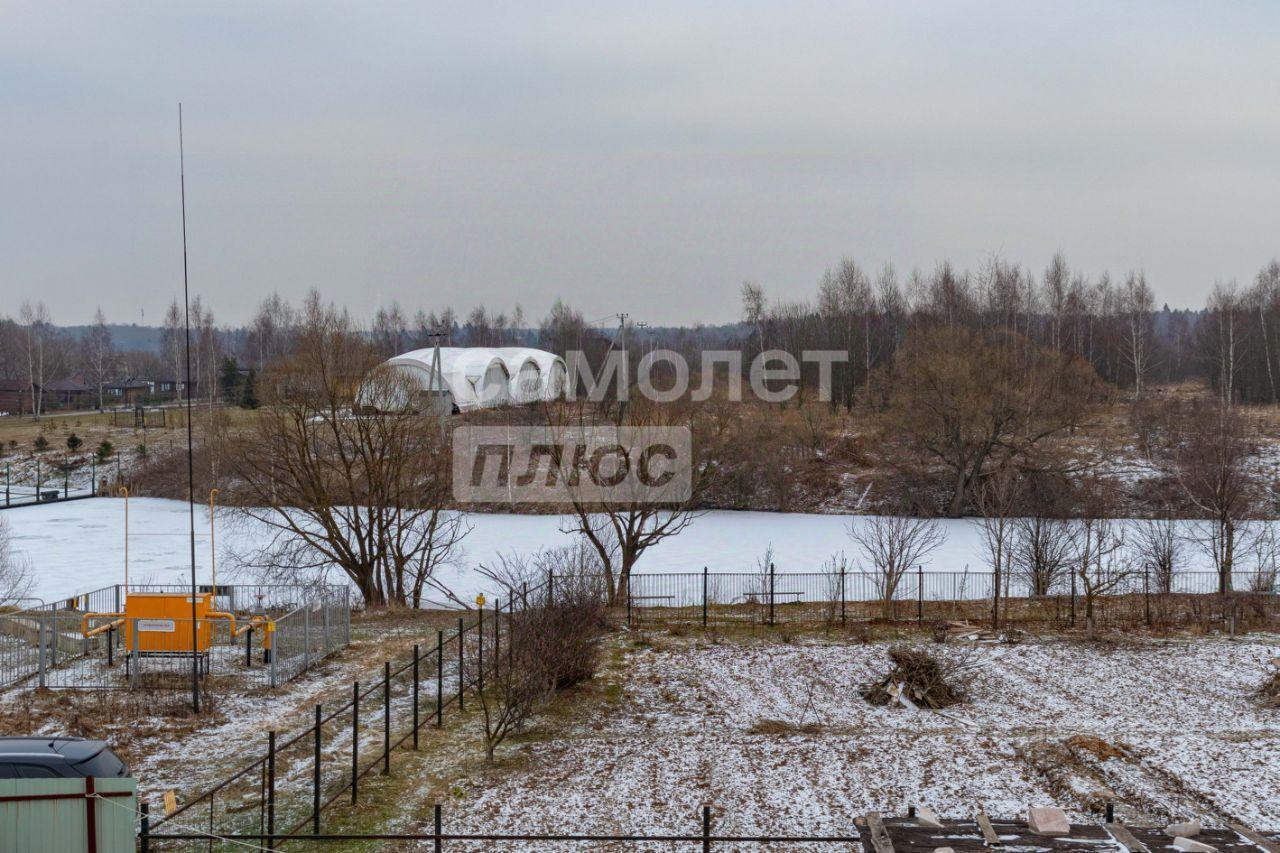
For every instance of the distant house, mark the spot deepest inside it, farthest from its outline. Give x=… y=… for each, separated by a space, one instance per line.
x=15 y=397
x=71 y=393
x=128 y=392
x=172 y=389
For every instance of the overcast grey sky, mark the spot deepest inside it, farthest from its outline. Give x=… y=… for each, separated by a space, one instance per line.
x=641 y=157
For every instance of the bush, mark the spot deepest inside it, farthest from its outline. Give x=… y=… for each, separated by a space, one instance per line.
x=105 y=449
x=41 y=444
x=553 y=643
x=74 y=442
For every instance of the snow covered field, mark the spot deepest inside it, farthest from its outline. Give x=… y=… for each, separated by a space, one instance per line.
x=1166 y=730
x=79 y=546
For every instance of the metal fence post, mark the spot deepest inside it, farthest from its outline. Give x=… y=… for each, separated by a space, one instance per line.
x=40 y=642
x=346 y=610
x=144 y=837
x=771 y=589
x=497 y=636
x=1146 y=592
x=919 y=595
x=306 y=637
x=626 y=584
x=415 y=695
x=386 y=718
x=480 y=648
x=462 y=679
x=274 y=637
x=842 y=596
x=439 y=679
x=315 y=778
x=355 y=743
x=271 y=790
x=706 y=829
x=704 y=596
x=437 y=822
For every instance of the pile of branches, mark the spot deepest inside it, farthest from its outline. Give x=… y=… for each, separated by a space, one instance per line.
x=920 y=678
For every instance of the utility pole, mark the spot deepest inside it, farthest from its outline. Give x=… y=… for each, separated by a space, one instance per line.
x=626 y=365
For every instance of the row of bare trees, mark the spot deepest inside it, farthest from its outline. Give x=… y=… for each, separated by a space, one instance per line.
x=1113 y=325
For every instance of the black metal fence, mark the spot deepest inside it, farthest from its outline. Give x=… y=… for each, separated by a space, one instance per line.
x=768 y=597
x=283 y=792
x=59 y=478
x=703 y=836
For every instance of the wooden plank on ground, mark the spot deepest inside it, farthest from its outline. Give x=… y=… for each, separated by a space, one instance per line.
x=1122 y=834
x=879 y=835
x=1260 y=840
x=989 y=836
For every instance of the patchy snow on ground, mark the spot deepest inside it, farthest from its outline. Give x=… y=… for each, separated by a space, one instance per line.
x=79 y=546
x=777 y=740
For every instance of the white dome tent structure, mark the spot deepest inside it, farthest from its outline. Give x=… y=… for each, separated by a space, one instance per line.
x=475 y=377
x=525 y=373
x=551 y=373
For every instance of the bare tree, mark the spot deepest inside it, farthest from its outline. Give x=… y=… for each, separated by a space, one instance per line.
x=997 y=498
x=366 y=493
x=892 y=545
x=40 y=351
x=1160 y=551
x=1212 y=458
x=15 y=570
x=99 y=355
x=1266 y=558
x=622 y=527
x=976 y=402
x=172 y=345
x=1099 y=562
x=1137 y=303
x=1041 y=552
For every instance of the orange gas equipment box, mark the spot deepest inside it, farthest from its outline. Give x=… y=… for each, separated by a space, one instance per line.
x=161 y=622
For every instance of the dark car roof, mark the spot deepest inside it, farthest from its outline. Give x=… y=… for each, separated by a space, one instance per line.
x=72 y=749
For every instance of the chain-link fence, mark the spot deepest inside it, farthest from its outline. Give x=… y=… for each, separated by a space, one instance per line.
x=253 y=636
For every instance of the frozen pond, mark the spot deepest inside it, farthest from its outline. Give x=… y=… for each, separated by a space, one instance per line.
x=79 y=546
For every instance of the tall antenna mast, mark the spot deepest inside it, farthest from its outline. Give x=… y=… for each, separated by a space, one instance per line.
x=191 y=489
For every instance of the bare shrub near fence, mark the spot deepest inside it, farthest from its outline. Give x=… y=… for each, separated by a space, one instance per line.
x=553 y=645
x=834 y=569
x=892 y=545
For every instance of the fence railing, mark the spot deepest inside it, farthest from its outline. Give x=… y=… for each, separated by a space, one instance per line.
x=65 y=478
x=283 y=792
x=769 y=597
x=702 y=837
x=282 y=631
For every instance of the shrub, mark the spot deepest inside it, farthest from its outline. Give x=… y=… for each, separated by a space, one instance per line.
x=41 y=444
x=105 y=449
x=74 y=442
